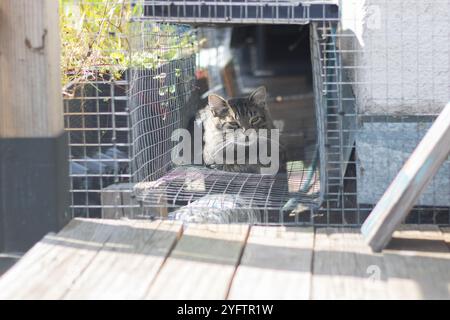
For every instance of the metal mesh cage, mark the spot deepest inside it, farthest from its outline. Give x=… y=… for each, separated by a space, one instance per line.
x=337 y=123
x=267 y=198
x=161 y=98
x=241 y=11
x=378 y=83
x=364 y=134
x=377 y=93
x=127 y=93
x=97 y=121
x=160 y=102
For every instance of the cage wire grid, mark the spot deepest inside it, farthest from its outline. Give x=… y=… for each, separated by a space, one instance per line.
x=161 y=97
x=368 y=127
x=194 y=186
x=240 y=11
x=361 y=144
x=266 y=196
x=343 y=125
x=104 y=134
x=97 y=126
x=269 y=198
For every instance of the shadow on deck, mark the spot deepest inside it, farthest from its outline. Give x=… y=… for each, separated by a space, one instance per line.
x=140 y=259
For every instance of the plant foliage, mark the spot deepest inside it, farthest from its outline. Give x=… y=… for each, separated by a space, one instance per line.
x=97 y=40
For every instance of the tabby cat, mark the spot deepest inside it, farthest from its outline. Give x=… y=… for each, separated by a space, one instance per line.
x=218 y=117
x=222 y=116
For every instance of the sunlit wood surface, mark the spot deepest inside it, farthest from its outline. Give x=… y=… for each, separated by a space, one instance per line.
x=136 y=259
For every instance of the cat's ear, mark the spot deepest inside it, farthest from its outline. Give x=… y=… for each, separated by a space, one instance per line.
x=258 y=97
x=219 y=105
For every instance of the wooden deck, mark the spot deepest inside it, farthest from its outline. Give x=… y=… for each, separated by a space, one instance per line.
x=136 y=259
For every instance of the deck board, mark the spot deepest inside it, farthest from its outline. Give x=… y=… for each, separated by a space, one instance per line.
x=57 y=261
x=417 y=263
x=135 y=259
x=128 y=261
x=446 y=233
x=10 y=284
x=276 y=264
x=202 y=264
x=345 y=267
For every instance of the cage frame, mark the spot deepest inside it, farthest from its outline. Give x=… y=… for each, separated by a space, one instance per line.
x=337 y=115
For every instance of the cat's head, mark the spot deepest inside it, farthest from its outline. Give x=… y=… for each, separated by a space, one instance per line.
x=241 y=113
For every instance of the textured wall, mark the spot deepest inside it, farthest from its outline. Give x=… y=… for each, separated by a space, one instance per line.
x=383 y=148
x=402 y=50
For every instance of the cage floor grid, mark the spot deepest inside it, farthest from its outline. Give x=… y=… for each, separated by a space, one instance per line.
x=184 y=185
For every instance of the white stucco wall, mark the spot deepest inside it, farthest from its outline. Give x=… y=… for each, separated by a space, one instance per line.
x=402 y=54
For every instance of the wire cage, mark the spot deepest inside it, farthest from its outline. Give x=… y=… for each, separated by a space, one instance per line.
x=348 y=78
x=241 y=11
x=125 y=91
x=97 y=122
x=219 y=196
x=161 y=94
x=95 y=101
x=376 y=84
x=378 y=88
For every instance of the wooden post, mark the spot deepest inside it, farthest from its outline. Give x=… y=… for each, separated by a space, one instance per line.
x=407 y=186
x=33 y=158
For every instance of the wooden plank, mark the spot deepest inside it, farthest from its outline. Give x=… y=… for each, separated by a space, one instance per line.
x=418 y=264
x=276 y=264
x=128 y=262
x=446 y=233
x=407 y=186
x=32 y=257
x=29 y=258
x=344 y=267
x=202 y=264
x=50 y=269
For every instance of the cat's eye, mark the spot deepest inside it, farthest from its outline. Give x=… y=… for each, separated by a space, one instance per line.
x=255 y=120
